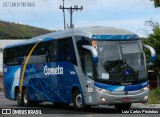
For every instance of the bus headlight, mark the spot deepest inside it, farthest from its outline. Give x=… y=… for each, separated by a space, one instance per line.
x=145 y=88
x=102 y=90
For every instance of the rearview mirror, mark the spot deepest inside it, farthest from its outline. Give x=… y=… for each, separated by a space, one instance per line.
x=152 y=51
x=93 y=51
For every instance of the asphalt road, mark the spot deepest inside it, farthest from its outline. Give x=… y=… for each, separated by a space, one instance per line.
x=69 y=111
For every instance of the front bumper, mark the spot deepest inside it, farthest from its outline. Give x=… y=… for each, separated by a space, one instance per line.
x=119 y=97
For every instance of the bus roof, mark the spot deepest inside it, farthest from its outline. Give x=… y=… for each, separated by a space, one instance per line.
x=95 y=33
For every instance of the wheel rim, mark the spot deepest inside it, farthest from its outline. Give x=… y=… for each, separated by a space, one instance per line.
x=79 y=100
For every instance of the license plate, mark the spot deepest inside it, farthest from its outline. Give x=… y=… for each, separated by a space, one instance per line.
x=126 y=100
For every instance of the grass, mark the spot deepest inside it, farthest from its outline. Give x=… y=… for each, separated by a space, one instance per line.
x=154 y=96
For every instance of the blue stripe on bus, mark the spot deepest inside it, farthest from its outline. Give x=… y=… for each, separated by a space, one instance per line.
x=115 y=37
x=41 y=87
x=122 y=88
x=153 y=58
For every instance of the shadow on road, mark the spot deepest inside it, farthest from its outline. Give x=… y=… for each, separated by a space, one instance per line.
x=52 y=109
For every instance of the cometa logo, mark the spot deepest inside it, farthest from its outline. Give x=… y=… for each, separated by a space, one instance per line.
x=53 y=71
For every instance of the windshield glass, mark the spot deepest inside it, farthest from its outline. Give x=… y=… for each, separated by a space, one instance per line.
x=120 y=62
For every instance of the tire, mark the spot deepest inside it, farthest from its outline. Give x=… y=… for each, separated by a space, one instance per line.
x=121 y=107
x=19 y=98
x=26 y=100
x=77 y=100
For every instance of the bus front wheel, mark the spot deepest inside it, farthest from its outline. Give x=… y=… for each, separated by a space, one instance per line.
x=77 y=100
x=121 y=107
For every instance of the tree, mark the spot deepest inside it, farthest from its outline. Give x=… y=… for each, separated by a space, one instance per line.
x=156 y=3
x=154 y=41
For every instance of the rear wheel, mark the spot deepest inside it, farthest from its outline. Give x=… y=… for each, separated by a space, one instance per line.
x=26 y=100
x=19 y=97
x=121 y=107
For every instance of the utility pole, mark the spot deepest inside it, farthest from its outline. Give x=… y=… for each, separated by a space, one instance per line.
x=71 y=10
x=64 y=19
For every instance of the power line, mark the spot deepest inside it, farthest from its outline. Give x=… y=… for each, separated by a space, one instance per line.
x=85 y=3
x=124 y=10
x=120 y=12
x=154 y=18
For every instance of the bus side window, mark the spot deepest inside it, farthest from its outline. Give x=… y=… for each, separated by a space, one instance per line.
x=85 y=56
x=88 y=64
x=86 y=61
x=52 y=51
x=22 y=53
x=82 y=41
x=70 y=51
x=13 y=59
x=5 y=57
x=40 y=53
x=66 y=51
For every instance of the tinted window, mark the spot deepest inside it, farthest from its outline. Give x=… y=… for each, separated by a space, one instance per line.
x=66 y=51
x=52 y=51
x=49 y=51
x=16 y=55
x=82 y=41
x=40 y=53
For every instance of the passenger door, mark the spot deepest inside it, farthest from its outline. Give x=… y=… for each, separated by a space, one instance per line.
x=87 y=65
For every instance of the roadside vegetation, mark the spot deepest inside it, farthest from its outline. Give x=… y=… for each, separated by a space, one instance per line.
x=10 y=30
x=154 y=41
x=154 y=96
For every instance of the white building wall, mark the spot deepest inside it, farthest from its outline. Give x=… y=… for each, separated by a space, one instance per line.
x=2 y=44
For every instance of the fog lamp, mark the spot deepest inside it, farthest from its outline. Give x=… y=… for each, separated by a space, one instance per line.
x=103 y=99
x=145 y=97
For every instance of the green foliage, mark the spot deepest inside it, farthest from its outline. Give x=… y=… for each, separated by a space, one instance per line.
x=157 y=3
x=18 y=31
x=154 y=96
x=154 y=41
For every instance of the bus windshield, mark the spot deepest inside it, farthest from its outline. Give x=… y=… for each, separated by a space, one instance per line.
x=120 y=62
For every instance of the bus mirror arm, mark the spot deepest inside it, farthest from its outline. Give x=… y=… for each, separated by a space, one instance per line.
x=153 y=52
x=93 y=51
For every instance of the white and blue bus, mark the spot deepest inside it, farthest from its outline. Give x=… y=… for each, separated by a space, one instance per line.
x=86 y=66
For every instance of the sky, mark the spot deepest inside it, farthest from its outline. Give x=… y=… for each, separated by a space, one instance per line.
x=126 y=14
